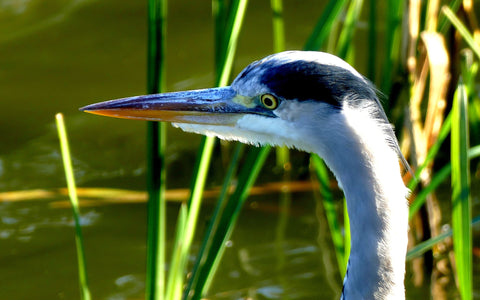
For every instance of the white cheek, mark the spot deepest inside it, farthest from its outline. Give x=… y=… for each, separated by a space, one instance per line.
x=262 y=130
x=290 y=111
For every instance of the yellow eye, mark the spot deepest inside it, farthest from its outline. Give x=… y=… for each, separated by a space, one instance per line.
x=269 y=101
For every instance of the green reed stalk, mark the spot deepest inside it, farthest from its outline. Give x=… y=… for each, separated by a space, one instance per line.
x=209 y=262
x=278 y=25
x=443 y=23
x=230 y=41
x=346 y=35
x=393 y=47
x=206 y=247
x=425 y=246
x=439 y=178
x=220 y=18
x=431 y=154
x=372 y=41
x=324 y=25
x=177 y=263
x=226 y=47
x=332 y=218
x=156 y=141
x=72 y=193
x=348 y=237
x=194 y=205
x=461 y=202
x=462 y=30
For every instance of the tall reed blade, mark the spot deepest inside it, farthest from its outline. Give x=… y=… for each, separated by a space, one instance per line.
x=351 y=19
x=210 y=260
x=423 y=247
x=225 y=52
x=156 y=140
x=393 y=46
x=372 y=41
x=278 y=25
x=189 y=226
x=176 y=266
x=431 y=154
x=462 y=30
x=206 y=247
x=330 y=212
x=461 y=202
x=439 y=177
x=324 y=24
x=72 y=192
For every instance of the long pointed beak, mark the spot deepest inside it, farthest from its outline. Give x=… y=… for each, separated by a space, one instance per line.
x=218 y=106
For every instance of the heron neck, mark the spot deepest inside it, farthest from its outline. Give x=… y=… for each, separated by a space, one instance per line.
x=367 y=168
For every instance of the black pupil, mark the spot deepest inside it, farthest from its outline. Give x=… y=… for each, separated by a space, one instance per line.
x=268 y=101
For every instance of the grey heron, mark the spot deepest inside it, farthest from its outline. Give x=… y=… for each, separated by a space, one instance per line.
x=318 y=103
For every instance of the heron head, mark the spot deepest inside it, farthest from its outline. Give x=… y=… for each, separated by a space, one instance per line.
x=279 y=100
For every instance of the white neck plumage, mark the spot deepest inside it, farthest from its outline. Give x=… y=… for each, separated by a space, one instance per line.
x=356 y=148
x=368 y=170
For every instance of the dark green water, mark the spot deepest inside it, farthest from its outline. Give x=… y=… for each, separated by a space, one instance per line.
x=56 y=56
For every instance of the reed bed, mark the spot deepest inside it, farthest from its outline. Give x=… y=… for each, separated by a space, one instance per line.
x=428 y=98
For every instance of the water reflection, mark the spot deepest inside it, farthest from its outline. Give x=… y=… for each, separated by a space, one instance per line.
x=38 y=249
x=21 y=221
x=27 y=17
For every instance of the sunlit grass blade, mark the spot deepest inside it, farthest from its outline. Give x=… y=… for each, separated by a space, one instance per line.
x=176 y=270
x=432 y=152
x=393 y=34
x=439 y=177
x=443 y=21
x=225 y=52
x=194 y=205
x=278 y=25
x=156 y=140
x=462 y=30
x=156 y=206
x=248 y=174
x=215 y=219
x=470 y=69
x=330 y=212
x=232 y=33
x=324 y=24
x=219 y=12
x=372 y=41
x=461 y=202
x=346 y=228
x=224 y=69
x=67 y=164
x=425 y=246
x=351 y=19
